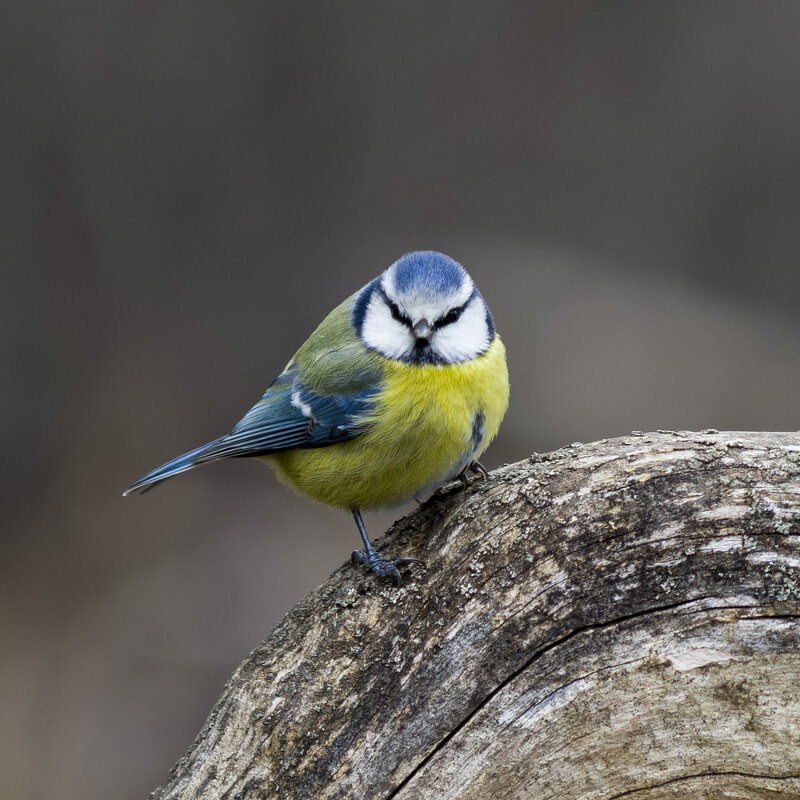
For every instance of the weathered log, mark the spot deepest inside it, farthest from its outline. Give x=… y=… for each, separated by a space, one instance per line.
x=617 y=619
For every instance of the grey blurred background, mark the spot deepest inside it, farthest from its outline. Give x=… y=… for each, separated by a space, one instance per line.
x=187 y=188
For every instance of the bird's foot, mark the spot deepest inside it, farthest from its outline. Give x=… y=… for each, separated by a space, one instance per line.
x=380 y=566
x=477 y=468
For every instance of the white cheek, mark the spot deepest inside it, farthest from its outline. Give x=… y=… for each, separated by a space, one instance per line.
x=381 y=332
x=466 y=338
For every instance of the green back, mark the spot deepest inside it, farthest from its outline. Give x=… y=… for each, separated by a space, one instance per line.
x=333 y=360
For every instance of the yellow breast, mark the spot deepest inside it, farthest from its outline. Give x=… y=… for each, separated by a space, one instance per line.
x=425 y=423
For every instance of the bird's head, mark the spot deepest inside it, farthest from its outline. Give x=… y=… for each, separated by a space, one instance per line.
x=424 y=309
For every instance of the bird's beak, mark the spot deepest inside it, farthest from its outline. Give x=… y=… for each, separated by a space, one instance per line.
x=423 y=330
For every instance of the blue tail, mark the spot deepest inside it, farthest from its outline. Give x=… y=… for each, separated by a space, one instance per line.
x=179 y=464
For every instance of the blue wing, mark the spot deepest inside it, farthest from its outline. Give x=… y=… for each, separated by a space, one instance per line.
x=294 y=416
x=288 y=415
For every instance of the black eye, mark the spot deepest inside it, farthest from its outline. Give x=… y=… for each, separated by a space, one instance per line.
x=396 y=313
x=450 y=316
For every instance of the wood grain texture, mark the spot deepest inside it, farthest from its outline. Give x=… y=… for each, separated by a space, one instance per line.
x=616 y=619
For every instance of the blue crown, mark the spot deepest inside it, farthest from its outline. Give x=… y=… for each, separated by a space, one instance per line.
x=434 y=272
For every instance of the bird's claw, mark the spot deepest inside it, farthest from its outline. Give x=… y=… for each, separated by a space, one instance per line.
x=477 y=468
x=380 y=566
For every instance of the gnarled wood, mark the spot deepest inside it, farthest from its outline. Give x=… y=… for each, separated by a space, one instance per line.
x=617 y=619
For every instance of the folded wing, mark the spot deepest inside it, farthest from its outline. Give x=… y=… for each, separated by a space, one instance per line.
x=289 y=415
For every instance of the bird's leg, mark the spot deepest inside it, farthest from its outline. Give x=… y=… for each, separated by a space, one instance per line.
x=374 y=560
x=473 y=466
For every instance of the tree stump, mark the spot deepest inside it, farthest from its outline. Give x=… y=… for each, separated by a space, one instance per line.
x=616 y=619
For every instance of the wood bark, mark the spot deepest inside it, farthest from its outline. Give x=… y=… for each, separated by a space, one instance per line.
x=616 y=619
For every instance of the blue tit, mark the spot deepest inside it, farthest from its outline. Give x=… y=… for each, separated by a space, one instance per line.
x=399 y=390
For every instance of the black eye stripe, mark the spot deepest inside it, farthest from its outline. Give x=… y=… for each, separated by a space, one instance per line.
x=398 y=314
x=451 y=316
x=447 y=319
x=394 y=309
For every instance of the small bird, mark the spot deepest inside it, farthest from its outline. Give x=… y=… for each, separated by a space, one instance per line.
x=398 y=391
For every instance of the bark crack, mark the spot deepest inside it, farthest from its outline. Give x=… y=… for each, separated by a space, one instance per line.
x=709 y=774
x=537 y=655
